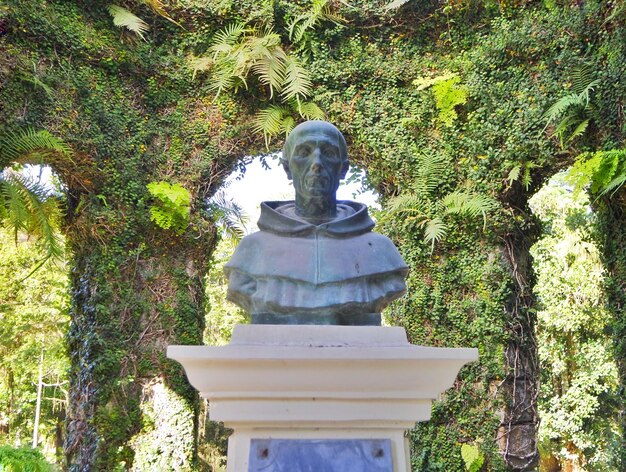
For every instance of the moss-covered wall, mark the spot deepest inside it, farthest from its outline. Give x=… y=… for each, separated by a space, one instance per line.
x=133 y=117
x=134 y=113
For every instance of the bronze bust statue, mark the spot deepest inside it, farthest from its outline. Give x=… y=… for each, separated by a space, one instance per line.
x=315 y=260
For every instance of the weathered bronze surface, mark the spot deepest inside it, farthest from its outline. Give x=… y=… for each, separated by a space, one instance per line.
x=315 y=260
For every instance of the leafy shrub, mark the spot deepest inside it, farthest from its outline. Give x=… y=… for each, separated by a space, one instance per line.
x=23 y=459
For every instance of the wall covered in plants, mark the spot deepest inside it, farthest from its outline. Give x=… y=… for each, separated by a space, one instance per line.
x=443 y=103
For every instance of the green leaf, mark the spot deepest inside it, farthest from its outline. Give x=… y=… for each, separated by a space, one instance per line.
x=297 y=80
x=173 y=207
x=434 y=231
x=269 y=121
x=311 y=111
x=472 y=457
x=31 y=146
x=125 y=19
x=514 y=174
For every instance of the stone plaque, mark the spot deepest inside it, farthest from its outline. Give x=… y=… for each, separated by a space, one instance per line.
x=320 y=455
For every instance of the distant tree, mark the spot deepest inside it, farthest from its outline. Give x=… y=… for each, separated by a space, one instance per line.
x=577 y=402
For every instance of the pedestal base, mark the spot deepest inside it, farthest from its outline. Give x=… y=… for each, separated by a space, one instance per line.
x=320 y=382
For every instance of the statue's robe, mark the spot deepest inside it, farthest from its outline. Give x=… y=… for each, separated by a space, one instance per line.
x=295 y=272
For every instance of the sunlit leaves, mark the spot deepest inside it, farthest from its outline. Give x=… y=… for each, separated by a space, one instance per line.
x=449 y=93
x=25 y=206
x=239 y=52
x=277 y=119
x=603 y=171
x=172 y=208
x=123 y=18
x=579 y=374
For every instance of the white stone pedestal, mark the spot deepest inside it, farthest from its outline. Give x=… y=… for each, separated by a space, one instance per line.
x=320 y=382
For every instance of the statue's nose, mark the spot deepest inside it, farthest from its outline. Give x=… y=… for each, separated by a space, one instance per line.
x=317 y=159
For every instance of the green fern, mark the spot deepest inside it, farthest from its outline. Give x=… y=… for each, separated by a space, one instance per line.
x=521 y=172
x=574 y=110
x=321 y=10
x=297 y=84
x=468 y=204
x=430 y=214
x=434 y=231
x=238 y=52
x=449 y=93
x=123 y=18
x=430 y=172
x=31 y=146
x=25 y=206
x=229 y=217
x=277 y=119
x=603 y=172
x=173 y=207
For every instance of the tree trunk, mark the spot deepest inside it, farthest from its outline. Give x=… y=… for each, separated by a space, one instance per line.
x=129 y=405
x=611 y=215
x=38 y=407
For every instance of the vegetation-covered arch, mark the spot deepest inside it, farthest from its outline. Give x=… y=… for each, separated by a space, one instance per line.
x=434 y=98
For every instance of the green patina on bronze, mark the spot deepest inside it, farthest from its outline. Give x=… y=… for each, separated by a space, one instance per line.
x=315 y=260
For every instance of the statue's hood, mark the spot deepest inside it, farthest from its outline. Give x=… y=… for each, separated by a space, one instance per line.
x=356 y=222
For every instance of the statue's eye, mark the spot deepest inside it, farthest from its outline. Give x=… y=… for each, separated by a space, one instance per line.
x=330 y=152
x=303 y=151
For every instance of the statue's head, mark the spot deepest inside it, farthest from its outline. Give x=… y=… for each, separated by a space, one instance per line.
x=315 y=157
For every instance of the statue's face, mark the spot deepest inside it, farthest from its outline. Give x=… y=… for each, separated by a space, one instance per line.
x=316 y=164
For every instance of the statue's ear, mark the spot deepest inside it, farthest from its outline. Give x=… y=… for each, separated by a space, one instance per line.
x=344 y=169
x=287 y=169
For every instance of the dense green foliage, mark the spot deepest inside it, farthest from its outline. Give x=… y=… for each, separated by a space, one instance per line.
x=33 y=321
x=23 y=460
x=133 y=113
x=577 y=401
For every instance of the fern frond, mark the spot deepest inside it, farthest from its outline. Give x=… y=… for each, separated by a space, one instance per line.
x=561 y=105
x=434 y=231
x=173 y=208
x=395 y=4
x=582 y=78
x=514 y=174
x=228 y=36
x=614 y=185
x=223 y=78
x=123 y=18
x=431 y=171
x=31 y=146
x=320 y=10
x=468 y=204
x=579 y=130
x=311 y=111
x=228 y=215
x=409 y=203
x=298 y=83
x=270 y=67
x=288 y=124
x=28 y=209
x=159 y=8
x=199 y=64
x=269 y=121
